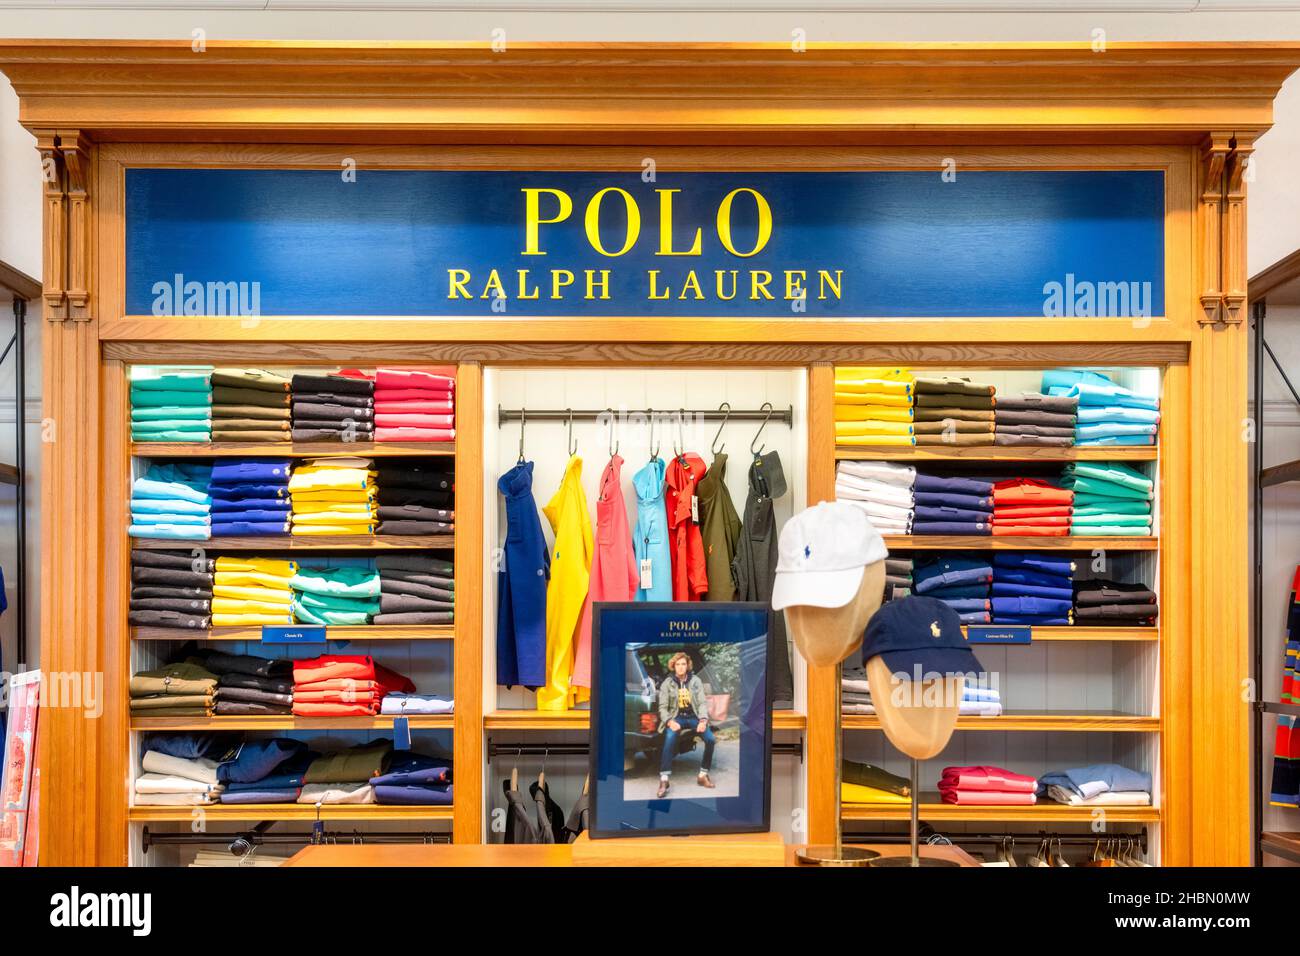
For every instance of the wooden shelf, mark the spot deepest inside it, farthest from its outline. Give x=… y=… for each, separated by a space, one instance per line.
x=309 y=449
x=1285 y=845
x=1280 y=474
x=381 y=722
x=248 y=812
x=8 y=474
x=1078 y=633
x=932 y=808
x=315 y=542
x=372 y=632
x=581 y=720
x=988 y=542
x=998 y=453
x=1085 y=721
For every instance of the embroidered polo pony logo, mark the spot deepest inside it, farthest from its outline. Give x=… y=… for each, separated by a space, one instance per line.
x=934 y=628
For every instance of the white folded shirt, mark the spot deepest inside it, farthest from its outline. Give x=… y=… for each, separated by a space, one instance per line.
x=1110 y=798
x=337 y=793
x=199 y=768
x=866 y=490
x=901 y=475
x=170 y=783
x=175 y=799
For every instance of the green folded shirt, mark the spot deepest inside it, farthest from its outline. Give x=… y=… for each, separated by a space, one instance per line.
x=1110 y=489
x=170 y=413
x=340 y=582
x=1102 y=505
x=324 y=616
x=146 y=398
x=1086 y=521
x=172 y=436
x=150 y=379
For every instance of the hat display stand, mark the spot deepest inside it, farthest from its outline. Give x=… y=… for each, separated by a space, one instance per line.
x=920 y=730
x=825 y=637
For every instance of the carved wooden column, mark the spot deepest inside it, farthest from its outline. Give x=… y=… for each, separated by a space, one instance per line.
x=1219 y=736
x=72 y=654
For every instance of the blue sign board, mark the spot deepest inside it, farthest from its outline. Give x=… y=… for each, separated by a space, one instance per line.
x=293 y=634
x=980 y=243
x=999 y=634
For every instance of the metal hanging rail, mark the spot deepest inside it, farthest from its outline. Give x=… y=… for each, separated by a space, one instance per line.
x=243 y=841
x=785 y=415
x=1139 y=837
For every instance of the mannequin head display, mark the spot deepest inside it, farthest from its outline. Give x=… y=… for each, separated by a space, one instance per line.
x=830 y=580
x=916 y=657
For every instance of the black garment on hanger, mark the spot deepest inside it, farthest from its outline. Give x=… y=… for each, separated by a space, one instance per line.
x=519 y=823
x=550 y=818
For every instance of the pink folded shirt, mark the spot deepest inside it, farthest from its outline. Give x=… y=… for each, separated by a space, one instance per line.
x=986 y=778
x=412 y=378
x=416 y=421
x=426 y=407
x=408 y=433
x=414 y=395
x=987 y=798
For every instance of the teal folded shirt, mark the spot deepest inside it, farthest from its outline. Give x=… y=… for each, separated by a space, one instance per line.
x=146 y=398
x=337 y=582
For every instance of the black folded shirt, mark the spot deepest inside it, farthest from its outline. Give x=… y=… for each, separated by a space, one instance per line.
x=1112 y=592
x=415 y=563
x=343 y=384
x=176 y=560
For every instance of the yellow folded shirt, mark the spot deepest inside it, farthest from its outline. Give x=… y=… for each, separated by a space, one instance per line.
x=300 y=529
x=357 y=496
x=857 y=793
x=886 y=373
x=875 y=440
x=260 y=595
x=230 y=605
x=252 y=579
x=872 y=398
x=320 y=507
x=872 y=428
x=335 y=517
x=250 y=620
x=318 y=479
x=276 y=567
x=867 y=413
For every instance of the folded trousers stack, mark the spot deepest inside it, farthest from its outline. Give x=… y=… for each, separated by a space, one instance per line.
x=249 y=405
x=171 y=589
x=338 y=408
x=414 y=405
x=1031 y=418
x=182 y=689
x=415 y=498
x=415 y=589
x=171 y=404
x=873 y=406
x=250 y=497
x=953 y=411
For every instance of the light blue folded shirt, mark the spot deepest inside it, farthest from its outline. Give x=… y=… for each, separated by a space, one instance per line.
x=185 y=532
x=1113 y=430
x=1118 y=440
x=1089 y=393
x=1087 y=782
x=165 y=518
x=176 y=506
x=1089 y=414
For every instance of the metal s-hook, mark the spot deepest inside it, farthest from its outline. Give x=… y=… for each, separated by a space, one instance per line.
x=725 y=408
x=654 y=447
x=767 y=407
x=679 y=443
x=573 y=445
x=523 y=414
x=613 y=445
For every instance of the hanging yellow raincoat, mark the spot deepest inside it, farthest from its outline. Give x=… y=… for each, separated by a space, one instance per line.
x=566 y=593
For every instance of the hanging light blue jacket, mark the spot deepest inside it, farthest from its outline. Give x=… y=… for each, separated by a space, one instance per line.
x=650 y=539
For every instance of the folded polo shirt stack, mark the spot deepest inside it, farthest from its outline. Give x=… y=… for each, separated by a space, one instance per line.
x=169 y=780
x=1032 y=589
x=415 y=589
x=347 y=596
x=1100 y=785
x=334 y=496
x=986 y=787
x=414 y=405
x=345 y=776
x=172 y=500
x=342 y=685
x=247 y=685
x=171 y=589
x=977 y=700
x=171 y=403
x=415 y=497
x=249 y=404
x=413 y=779
x=1029 y=506
x=873 y=406
x=1109 y=498
x=266 y=771
x=1031 y=418
x=881 y=489
x=1109 y=414
x=252 y=592
x=963 y=583
x=333 y=408
x=952 y=505
x=250 y=496
x=953 y=411
x=1114 y=604
x=898 y=577
x=173 y=690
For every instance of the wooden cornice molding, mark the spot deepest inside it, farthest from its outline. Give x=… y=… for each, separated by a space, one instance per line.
x=587 y=92
x=66 y=252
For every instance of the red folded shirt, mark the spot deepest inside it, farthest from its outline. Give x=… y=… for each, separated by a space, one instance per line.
x=1034 y=530
x=987 y=798
x=1032 y=511
x=339 y=684
x=409 y=433
x=315 y=709
x=413 y=378
x=1032 y=522
x=334 y=666
x=414 y=407
x=986 y=778
x=1030 y=491
x=336 y=696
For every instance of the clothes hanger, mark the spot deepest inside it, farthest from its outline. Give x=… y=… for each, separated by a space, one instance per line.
x=725 y=408
x=541 y=774
x=1040 y=855
x=679 y=443
x=767 y=407
x=1058 y=856
x=613 y=444
x=654 y=448
x=573 y=445
x=523 y=413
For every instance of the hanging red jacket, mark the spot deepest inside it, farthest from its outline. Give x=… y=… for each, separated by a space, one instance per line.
x=690 y=580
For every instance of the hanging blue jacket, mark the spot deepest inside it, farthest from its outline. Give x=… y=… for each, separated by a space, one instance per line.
x=521 y=585
x=651 y=537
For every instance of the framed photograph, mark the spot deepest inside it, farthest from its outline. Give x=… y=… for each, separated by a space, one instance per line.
x=681 y=720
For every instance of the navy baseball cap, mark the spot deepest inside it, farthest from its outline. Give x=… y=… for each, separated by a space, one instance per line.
x=919 y=632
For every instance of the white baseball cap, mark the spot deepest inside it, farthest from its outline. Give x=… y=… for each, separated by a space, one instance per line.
x=821 y=554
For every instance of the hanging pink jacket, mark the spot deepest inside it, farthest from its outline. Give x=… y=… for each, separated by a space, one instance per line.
x=613 y=569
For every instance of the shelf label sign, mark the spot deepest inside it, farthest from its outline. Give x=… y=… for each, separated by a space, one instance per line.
x=1004 y=634
x=292 y=634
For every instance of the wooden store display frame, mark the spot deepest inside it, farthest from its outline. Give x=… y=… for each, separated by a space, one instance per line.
x=1190 y=110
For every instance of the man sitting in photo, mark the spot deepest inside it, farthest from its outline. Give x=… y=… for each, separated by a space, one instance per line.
x=683 y=708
